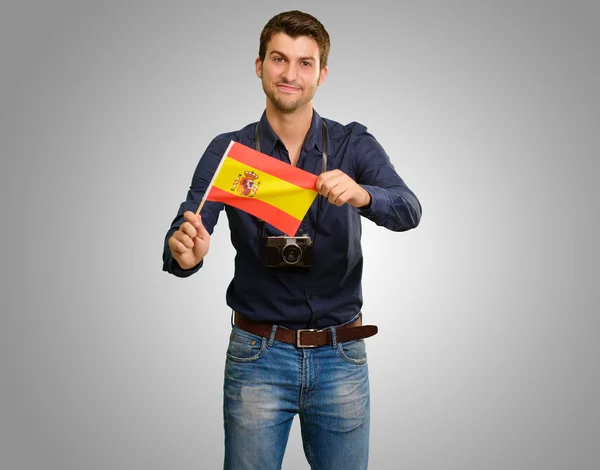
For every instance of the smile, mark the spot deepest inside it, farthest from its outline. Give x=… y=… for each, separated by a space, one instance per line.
x=288 y=88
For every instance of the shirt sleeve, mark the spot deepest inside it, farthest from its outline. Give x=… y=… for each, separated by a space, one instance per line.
x=203 y=174
x=393 y=204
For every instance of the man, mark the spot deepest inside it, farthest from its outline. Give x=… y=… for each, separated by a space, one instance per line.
x=274 y=368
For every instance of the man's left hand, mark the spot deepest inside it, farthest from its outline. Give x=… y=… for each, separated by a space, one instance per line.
x=340 y=189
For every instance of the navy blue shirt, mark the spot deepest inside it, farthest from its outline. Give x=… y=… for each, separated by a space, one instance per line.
x=328 y=293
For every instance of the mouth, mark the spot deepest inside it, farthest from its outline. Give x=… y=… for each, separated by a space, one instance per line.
x=288 y=88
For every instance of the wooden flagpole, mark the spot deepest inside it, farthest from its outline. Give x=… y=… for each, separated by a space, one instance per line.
x=213 y=178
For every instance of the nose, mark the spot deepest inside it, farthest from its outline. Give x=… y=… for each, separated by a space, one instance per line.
x=290 y=73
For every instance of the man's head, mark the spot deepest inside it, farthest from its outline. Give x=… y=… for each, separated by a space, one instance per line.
x=292 y=60
x=296 y=23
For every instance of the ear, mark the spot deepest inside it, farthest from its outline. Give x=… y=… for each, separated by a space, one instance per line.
x=258 y=65
x=322 y=76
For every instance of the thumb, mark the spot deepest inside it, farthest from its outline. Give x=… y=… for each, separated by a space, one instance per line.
x=201 y=229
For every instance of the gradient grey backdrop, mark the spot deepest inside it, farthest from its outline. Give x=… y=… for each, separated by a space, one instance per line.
x=487 y=357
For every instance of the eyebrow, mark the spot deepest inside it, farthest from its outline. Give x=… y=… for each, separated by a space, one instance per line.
x=286 y=57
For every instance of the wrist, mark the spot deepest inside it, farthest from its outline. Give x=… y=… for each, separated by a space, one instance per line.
x=366 y=200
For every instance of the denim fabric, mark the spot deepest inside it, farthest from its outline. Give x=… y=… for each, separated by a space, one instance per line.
x=268 y=382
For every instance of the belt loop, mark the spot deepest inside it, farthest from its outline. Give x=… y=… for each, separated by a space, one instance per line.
x=272 y=337
x=232 y=314
x=333 y=338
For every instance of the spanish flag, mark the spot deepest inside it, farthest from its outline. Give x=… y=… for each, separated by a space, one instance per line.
x=274 y=191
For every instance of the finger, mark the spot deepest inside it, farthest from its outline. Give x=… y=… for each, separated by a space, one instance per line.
x=342 y=198
x=180 y=248
x=333 y=196
x=192 y=218
x=324 y=191
x=335 y=182
x=331 y=173
x=325 y=186
x=201 y=231
x=184 y=239
x=324 y=177
x=319 y=183
x=336 y=179
x=188 y=229
x=177 y=245
x=342 y=193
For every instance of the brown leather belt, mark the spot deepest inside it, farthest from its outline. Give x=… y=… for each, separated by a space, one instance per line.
x=306 y=338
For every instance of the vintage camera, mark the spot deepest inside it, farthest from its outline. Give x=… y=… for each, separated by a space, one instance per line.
x=287 y=252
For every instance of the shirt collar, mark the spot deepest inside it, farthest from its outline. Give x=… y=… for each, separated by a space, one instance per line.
x=268 y=138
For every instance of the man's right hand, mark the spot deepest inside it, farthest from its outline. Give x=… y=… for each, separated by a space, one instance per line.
x=189 y=244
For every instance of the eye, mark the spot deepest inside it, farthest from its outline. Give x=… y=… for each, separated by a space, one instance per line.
x=306 y=64
x=277 y=59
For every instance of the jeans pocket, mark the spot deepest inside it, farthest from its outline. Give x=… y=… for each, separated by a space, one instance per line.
x=244 y=346
x=353 y=352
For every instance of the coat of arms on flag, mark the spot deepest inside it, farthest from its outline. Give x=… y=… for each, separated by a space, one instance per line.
x=246 y=185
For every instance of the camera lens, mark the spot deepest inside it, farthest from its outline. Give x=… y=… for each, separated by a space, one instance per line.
x=291 y=254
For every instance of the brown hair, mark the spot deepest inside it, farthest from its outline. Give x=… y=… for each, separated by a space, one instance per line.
x=296 y=23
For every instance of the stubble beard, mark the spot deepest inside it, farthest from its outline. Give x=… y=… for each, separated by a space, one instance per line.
x=285 y=106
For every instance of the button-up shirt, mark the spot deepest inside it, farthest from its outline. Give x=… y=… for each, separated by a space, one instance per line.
x=328 y=293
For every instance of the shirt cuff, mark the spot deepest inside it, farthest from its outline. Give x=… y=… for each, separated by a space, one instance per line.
x=173 y=267
x=378 y=198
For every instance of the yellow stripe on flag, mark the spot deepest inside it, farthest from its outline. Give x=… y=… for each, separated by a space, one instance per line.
x=272 y=190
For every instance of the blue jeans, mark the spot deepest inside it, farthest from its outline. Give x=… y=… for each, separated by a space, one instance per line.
x=268 y=382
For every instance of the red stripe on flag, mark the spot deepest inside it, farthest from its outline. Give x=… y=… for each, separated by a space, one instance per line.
x=268 y=164
x=270 y=214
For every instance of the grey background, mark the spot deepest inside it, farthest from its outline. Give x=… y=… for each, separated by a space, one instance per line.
x=487 y=356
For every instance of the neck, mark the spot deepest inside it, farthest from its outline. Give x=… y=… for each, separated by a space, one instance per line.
x=291 y=128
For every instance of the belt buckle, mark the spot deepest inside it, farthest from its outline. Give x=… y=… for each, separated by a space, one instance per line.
x=303 y=346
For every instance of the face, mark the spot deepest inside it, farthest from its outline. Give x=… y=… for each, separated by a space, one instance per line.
x=290 y=72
